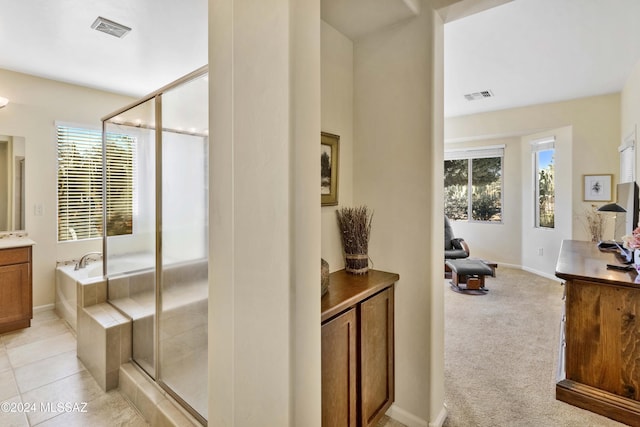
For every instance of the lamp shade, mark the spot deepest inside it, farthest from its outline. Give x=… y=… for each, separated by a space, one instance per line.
x=3 y=102
x=611 y=207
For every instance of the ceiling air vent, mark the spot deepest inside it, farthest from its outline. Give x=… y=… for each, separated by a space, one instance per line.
x=110 y=27
x=478 y=95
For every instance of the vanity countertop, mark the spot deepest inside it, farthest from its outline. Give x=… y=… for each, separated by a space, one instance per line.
x=15 y=242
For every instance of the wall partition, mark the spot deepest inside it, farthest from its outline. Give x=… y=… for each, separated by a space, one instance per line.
x=156 y=249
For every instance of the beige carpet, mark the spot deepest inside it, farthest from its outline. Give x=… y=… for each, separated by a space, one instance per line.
x=501 y=355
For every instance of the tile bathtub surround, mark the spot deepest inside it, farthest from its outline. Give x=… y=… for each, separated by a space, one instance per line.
x=153 y=402
x=38 y=366
x=104 y=342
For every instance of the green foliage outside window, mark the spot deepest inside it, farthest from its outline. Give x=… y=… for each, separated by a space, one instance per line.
x=485 y=200
x=546 y=189
x=80 y=208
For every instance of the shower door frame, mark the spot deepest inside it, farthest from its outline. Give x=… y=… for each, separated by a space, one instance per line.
x=156 y=96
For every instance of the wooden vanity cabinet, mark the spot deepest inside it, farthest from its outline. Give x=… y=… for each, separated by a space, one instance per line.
x=15 y=288
x=357 y=348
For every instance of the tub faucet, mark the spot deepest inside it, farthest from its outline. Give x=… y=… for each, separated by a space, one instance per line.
x=83 y=261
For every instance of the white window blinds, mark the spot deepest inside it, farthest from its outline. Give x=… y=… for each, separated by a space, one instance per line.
x=542 y=144
x=80 y=195
x=475 y=153
x=628 y=158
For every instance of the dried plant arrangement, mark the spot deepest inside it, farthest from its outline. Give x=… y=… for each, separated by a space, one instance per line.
x=593 y=222
x=355 y=229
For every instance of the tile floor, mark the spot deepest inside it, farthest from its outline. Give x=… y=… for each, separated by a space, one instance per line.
x=43 y=383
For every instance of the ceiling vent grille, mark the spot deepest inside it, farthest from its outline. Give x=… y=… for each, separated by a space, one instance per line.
x=478 y=95
x=109 y=27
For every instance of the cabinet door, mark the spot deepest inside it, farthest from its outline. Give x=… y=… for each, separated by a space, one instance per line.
x=601 y=332
x=376 y=356
x=15 y=294
x=339 y=337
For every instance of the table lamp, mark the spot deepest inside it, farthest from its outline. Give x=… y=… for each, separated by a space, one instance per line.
x=611 y=207
x=615 y=208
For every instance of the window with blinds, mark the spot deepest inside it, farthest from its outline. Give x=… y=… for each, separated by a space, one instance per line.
x=80 y=209
x=628 y=158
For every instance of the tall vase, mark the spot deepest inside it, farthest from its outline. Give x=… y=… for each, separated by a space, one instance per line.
x=356 y=263
x=636 y=259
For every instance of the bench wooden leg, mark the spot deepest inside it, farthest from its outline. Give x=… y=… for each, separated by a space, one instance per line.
x=471 y=283
x=475 y=282
x=455 y=278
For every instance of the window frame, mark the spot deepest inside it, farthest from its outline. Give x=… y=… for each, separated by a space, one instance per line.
x=538 y=146
x=95 y=136
x=628 y=158
x=469 y=154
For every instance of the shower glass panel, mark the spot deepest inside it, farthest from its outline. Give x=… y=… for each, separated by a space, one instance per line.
x=130 y=245
x=183 y=311
x=156 y=256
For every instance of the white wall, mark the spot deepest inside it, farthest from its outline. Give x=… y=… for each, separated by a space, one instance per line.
x=337 y=118
x=35 y=105
x=397 y=172
x=264 y=305
x=547 y=240
x=595 y=136
x=498 y=242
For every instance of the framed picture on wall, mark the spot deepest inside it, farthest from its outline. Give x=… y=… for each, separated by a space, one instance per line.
x=598 y=188
x=329 y=153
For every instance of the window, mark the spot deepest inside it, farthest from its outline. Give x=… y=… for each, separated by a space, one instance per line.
x=628 y=158
x=473 y=184
x=80 y=183
x=544 y=179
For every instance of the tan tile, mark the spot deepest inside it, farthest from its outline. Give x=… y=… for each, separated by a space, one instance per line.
x=41 y=349
x=8 y=386
x=127 y=383
x=42 y=372
x=44 y=330
x=13 y=417
x=125 y=342
x=43 y=316
x=101 y=292
x=148 y=396
x=112 y=349
x=170 y=416
x=4 y=360
x=87 y=296
x=77 y=388
x=108 y=410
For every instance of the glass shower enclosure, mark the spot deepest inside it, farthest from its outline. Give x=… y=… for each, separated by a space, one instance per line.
x=156 y=221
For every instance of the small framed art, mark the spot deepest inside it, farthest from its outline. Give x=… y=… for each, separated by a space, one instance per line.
x=598 y=188
x=329 y=154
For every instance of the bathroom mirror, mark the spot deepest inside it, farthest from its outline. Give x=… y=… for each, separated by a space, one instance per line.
x=12 y=188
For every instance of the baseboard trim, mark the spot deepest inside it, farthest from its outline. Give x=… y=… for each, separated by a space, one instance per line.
x=541 y=273
x=407 y=418
x=42 y=308
x=505 y=264
x=440 y=419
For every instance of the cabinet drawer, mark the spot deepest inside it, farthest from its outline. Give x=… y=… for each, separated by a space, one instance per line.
x=15 y=255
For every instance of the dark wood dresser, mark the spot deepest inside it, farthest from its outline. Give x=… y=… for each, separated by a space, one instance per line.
x=600 y=337
x=357 y=348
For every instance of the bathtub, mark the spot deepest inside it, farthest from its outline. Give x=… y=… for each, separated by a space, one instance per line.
x=67 y=282
x=89 y=284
